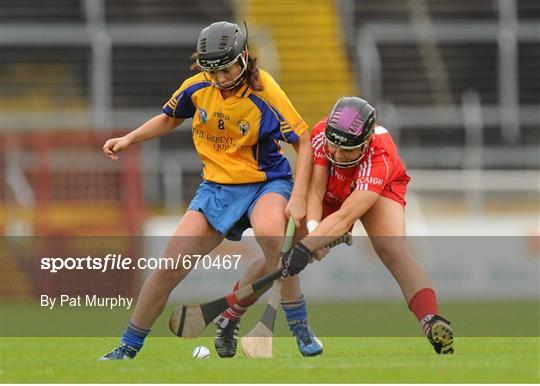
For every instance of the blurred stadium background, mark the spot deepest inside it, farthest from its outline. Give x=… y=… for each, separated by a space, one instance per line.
x=456 y=82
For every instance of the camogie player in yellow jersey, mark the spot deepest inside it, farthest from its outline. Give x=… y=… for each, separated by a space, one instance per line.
x=240 y=115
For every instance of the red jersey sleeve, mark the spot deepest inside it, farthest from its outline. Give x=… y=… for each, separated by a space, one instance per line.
x=318 y=142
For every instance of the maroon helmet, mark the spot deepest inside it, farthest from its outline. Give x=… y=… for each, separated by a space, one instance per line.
x=349 y=127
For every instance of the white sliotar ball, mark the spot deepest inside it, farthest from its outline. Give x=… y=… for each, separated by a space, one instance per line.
x=200 y=352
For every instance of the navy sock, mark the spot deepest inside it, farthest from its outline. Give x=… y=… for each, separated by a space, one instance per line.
x=134 y=336
x=295 y=311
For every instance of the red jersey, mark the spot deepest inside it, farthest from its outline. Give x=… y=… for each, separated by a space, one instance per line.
x=380 y=170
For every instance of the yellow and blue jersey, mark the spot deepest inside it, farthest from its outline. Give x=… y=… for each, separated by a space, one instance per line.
x=238 y=138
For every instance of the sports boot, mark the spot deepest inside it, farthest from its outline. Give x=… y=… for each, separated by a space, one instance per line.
x=121 y=352
x=440 y=335
x=308 y=344
x=226 y=336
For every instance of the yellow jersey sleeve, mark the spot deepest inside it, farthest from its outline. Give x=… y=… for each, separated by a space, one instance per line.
x=181 y=105
x=290 y=121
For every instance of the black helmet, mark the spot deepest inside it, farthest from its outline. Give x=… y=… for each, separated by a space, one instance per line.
x=349 y=127
x=219 y=46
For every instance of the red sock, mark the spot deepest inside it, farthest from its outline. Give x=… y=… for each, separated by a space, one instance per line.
x=423 y=303
x=237 y=310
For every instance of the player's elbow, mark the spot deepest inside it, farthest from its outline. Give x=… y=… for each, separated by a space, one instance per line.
x=304 y=139
x=316 y=193
x=304 y=142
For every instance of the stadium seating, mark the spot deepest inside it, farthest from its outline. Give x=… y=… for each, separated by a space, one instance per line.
x=463 y=66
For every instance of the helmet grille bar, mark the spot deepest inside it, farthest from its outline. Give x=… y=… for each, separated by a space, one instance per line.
x=335 y=118
x=356 y=125
x=202 y=45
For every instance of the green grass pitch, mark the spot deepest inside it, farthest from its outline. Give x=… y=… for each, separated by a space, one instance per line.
x=512 y=356
x=362 y=359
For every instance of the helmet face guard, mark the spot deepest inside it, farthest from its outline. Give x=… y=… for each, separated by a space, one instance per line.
x=349 y=127
x=210 y=73
x=345 y=164
x=220 y=46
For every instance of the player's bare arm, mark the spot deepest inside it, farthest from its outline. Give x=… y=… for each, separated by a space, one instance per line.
x=316 y=191
x=339 y=222
x=317 y=188
x=342 y=220
x=154 y=127
x=296 y=207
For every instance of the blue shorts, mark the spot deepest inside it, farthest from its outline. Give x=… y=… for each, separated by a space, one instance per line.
x=228 y=207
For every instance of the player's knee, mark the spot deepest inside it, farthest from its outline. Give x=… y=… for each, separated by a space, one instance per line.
x=269 y=241
x=268 y=230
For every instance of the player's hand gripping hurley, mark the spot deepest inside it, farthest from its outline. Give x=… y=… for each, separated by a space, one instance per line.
x=189 y=321
x=258 y=342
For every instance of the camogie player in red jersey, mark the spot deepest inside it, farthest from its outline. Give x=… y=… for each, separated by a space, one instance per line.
x=358 y=174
